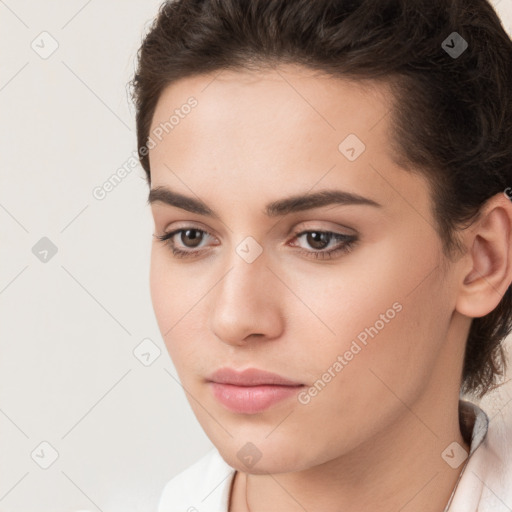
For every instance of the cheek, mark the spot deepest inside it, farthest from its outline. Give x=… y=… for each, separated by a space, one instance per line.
x=176 y=303
x=165 y=296
x=385 y=360
x=339 y=302
x=173 y=290
x=375 y=312
x=158 y=283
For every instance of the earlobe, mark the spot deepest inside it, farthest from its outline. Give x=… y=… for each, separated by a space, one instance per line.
x=490 y=259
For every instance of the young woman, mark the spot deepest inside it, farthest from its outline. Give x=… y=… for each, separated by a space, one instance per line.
x=331 y=267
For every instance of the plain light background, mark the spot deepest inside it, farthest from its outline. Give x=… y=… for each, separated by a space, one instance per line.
x=76 y=385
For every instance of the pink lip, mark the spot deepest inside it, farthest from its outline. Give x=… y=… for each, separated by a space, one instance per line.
x=250 y=377
x=250 y=391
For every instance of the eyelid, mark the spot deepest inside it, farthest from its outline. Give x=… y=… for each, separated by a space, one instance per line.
x=187 y=225
x=294 y=231
x=320 y=225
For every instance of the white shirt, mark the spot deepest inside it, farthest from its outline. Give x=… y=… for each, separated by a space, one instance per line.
x=484 y=485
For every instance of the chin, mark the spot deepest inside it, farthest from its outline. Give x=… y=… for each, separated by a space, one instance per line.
x=265 y=459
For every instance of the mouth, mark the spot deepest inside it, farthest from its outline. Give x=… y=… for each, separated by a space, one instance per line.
x=250 y=391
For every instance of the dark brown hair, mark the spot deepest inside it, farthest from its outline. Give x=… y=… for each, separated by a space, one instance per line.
x=451 y=119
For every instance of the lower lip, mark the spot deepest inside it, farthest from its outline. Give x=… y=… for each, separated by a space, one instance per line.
x=251 y=399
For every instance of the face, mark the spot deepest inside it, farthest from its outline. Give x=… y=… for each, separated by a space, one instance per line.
x=336 y=297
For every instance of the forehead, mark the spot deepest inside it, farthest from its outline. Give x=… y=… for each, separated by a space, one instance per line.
x=282 y=95
x=284 y=126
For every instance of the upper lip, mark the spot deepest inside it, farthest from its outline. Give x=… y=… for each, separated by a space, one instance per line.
x=250 y=377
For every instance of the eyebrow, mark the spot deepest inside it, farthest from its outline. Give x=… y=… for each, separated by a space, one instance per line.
x=280 y=207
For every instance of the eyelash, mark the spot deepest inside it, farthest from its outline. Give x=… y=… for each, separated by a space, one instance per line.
x=348 y=243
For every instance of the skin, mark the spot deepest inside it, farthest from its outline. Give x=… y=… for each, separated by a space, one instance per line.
x=372 y=439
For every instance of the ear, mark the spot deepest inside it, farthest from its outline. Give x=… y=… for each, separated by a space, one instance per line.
x=487 y=266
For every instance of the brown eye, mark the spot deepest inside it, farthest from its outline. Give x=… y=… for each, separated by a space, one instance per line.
x=318 y=239
x=184 y=245
x=195 y=235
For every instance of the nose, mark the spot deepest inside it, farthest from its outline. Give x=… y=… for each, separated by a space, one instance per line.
x=247 y=303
